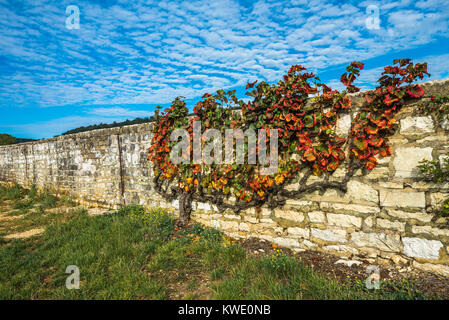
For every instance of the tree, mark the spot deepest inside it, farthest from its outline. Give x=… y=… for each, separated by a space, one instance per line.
x=6 y=139
x=112 y=125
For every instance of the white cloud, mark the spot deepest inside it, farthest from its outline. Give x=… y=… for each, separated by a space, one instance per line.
x=57 y=126
x=152 y=51
x=120 y=112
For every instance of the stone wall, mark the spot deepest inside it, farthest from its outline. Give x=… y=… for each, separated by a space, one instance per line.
x=107 y=167
x=385 y=215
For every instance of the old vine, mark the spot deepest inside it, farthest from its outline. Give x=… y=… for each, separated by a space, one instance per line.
x=305 y=113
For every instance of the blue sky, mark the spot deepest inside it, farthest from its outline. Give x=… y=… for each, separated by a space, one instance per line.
x=129 y=56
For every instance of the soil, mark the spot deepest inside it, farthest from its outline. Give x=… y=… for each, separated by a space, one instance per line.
x=179 y=288
x=435 y=286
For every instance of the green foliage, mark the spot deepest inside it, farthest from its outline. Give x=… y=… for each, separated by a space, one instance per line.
x=24 y=199
x=155 y=219
x=434 y=170
x=437 y=172
x=438 y=106
x=111 y=125
x=444 y=209
x=13 y=192
x=47 y=200
x=396 y=290
x=6 y=139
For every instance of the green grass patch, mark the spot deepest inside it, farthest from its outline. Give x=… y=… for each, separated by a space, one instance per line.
x=139 y=254
x=31 y=207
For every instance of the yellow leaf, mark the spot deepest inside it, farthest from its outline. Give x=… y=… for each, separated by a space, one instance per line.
x=279 y=179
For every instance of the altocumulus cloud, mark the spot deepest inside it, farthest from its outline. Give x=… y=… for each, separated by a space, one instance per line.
x=148 y=52
x=119 y=112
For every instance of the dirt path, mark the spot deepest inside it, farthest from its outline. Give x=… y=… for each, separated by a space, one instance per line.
x=10 y=221
x=25 y=234
x=8 y=226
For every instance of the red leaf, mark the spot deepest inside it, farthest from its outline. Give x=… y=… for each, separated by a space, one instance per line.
x=416 y=92
x=251 y=84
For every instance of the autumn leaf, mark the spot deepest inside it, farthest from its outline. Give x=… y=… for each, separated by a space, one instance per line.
x=415 y=92
x=362 y=145
x=279 y=179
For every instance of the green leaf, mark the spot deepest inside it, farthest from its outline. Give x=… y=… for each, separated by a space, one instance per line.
x=308 y=121
x=359 y=144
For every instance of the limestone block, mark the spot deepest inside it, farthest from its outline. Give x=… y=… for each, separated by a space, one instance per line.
x=379 y=241
x=422 y=248
x=369 y=222
x=329 y=235
x=215 y=223
x=406 y=160
x=416 y=125
x=299 y=232
x=203 y=206
x=344 y=220
x=349 y=207
x=265 y=212
x=393 y=225
x=341 y=249
x=361 y=191
x=232 y=216
x=175 y=204
x=343 y=125
x=244 y=227
x=289 y=215
x=379 y=173
x=308 y=244
x=402 y=199
x=430 y=231
x=286 y=242
x=251 y=219
x=391 y=185
x=298 y=203
x=229 y=225
x=419 y=215
x=316 y=216
x=434 y=268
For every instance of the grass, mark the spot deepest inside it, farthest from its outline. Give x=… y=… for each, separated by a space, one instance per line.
x=139 y=254
x=30 y=209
